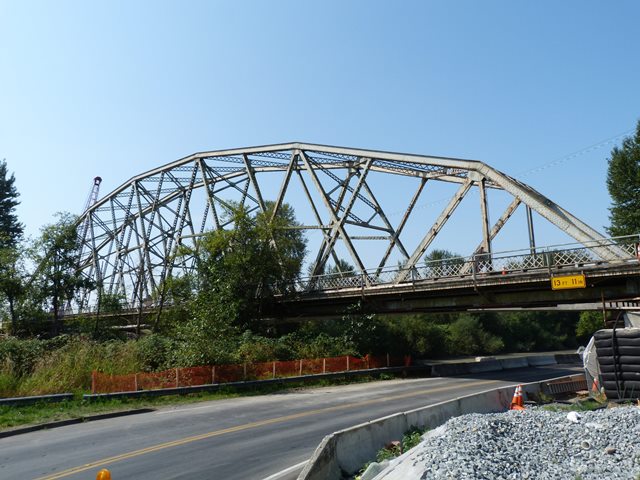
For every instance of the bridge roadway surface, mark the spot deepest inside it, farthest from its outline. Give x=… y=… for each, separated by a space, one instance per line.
x=240 y=438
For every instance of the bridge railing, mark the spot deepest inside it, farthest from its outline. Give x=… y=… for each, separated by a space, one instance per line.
x=515 y=261
x=550 y=258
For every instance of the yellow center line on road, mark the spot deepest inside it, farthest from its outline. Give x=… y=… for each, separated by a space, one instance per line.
x=248 y=426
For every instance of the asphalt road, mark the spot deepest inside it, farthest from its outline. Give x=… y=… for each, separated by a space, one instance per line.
x=242 y=438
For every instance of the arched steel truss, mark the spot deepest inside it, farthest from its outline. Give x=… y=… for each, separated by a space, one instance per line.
x=130 y=236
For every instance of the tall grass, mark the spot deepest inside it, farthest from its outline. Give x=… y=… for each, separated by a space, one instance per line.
x=68 y=368
x=34 y=367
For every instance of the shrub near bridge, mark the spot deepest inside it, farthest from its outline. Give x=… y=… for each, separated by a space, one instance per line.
x=18 y=357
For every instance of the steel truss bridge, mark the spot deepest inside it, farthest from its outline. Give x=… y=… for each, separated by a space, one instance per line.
x=343 y=198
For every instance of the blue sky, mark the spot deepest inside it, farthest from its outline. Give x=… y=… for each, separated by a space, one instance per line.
x=114 y=88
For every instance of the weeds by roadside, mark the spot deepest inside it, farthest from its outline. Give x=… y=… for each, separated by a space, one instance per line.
x=579 y=406
x=410 y=439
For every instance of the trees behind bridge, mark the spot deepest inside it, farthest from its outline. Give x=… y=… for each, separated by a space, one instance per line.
x=37 y=277
x=623 y=182
x=10 y=227
x=10 y=235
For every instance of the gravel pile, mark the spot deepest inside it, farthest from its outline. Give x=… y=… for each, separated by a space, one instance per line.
x=530 y=444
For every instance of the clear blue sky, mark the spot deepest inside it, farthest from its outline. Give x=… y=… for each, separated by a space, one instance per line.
x=114 y=88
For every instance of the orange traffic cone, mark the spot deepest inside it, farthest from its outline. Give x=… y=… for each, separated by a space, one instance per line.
x=104 y=474
x=517 y=403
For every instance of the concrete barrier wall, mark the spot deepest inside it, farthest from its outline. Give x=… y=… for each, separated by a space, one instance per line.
x=542 y=360
x=485 y=366
x=492 y=365
x=353 y=445
x=509 y=363
x=449 y=369
x=348 y=450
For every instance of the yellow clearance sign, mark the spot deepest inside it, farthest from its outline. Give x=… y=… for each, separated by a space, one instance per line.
x=568 y=281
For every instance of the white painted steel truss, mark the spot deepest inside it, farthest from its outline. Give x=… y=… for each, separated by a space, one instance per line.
x=130 y=237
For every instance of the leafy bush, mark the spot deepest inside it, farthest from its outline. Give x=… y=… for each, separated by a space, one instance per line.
x=254 y=348
x=532 y=331
x=324 y=345
x=411 y=438
x=65 y=362
x=388 y=453
x=588 y=324
x=155 y=352
x=288 y=347
x=419 y=335
x=18 y=357
x=205 y=342
x=467 y=336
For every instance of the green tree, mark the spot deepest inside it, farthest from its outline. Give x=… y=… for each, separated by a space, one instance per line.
x=101 y=325
x=341 y=274
x=56 y=254
x=588 y=324
x=528 y=331
x=174 y=295
x=468 y=337
x=329 y=275
x=287 y=246
x=422 y=335
x=10 y=228
x=623 y=182
x=11 y=276
x=237 y=271
x=342 y=268
x=439 y=254
x=12 y=282
x=441 y=262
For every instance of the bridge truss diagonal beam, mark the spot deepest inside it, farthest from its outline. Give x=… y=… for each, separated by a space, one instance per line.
x=435 y=229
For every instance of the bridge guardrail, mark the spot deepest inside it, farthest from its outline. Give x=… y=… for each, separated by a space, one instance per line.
x=541 y=258
x=550 y=258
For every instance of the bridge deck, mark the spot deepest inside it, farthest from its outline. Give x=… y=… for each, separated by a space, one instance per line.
x=614 y=282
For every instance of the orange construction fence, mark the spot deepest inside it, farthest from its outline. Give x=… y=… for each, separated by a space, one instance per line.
x=207 y=375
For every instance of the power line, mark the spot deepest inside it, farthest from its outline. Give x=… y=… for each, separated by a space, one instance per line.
x=577 y=153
